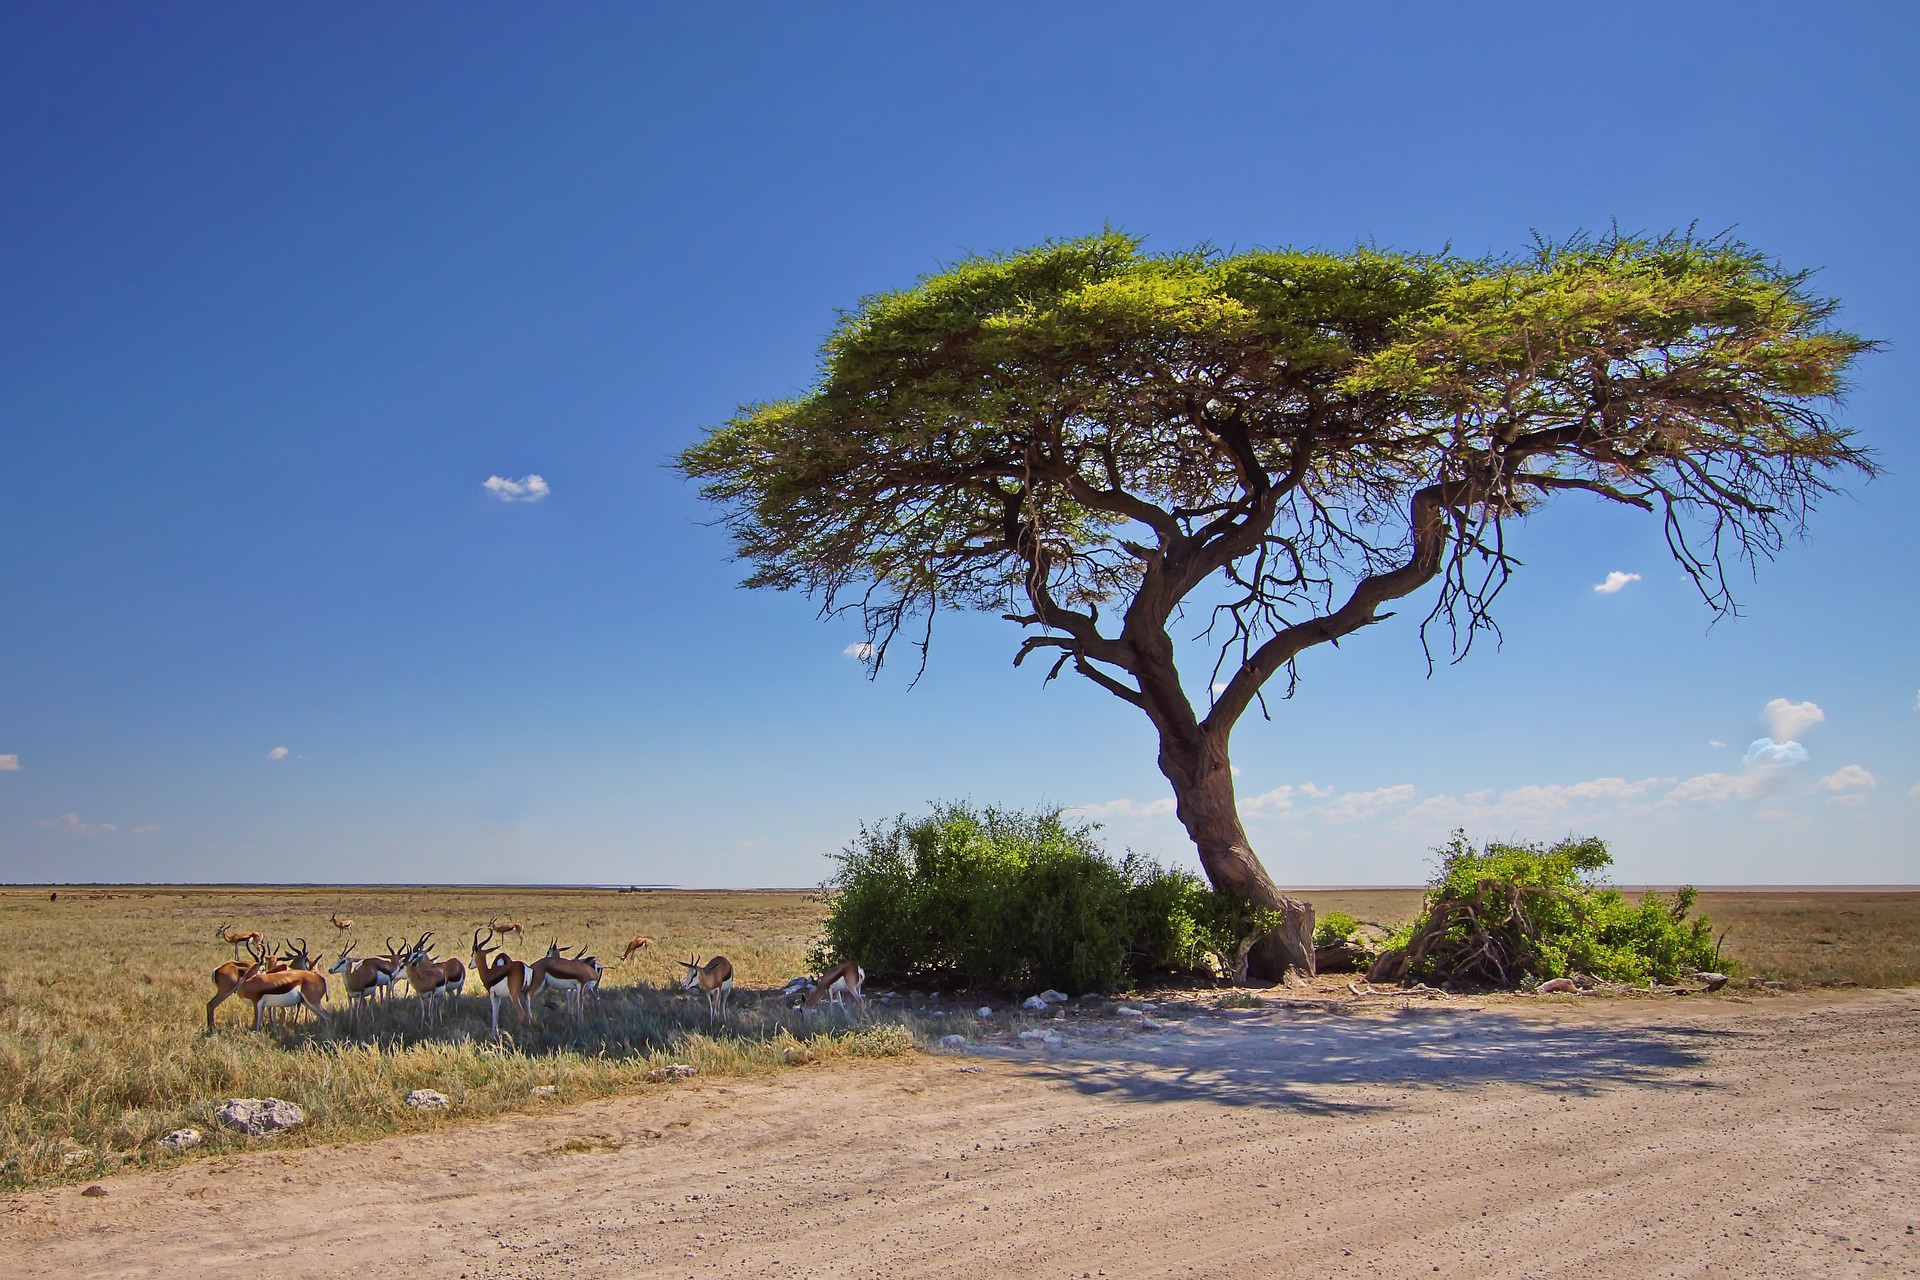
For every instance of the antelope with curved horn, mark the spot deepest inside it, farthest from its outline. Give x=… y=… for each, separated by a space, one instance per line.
x=283 y=989
x=229 y=975
x=843 y=978
x=638 y=944
x=236 y=939
x=504 y=979
x=427 y=976
x=364 y=979
x=338 y=923
x=510 y=927
x=715 y=978
x=570 y=975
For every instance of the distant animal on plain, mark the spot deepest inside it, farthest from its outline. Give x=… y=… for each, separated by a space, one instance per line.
x=637 y=944
x=338 y=923
x=235 y=939
x=505 y=927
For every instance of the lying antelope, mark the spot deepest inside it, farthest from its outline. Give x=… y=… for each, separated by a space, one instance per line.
x=504 y=979
x=572 y=976
x=844 y=978
x=229 y=975
x=338 y=923
x=638 y=944
x=715 y=978
x=236 y=939
x=283 y=989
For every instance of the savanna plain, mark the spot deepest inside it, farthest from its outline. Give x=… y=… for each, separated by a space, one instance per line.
x=1333 y=1130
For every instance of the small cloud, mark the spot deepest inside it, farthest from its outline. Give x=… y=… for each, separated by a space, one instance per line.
x=1715 y=742
x=142 y=831
x=528 y=488
x=1357 y=806
x=1318 y=793
x=278 y=753
x=1765 y=753
x=1278 y=800
x=1852 y=777
x=1915 y=793
x=1615 y=581
x=9 y=764
x=1219 y=689
x=68 y=824
x=1788 y=720
x=1126 y=808
x=862 y=651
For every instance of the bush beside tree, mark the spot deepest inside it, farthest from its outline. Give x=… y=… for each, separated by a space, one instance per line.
x=1511 y=915
x=1016 y=901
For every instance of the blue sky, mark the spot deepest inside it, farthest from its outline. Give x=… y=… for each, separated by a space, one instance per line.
x=281 y=289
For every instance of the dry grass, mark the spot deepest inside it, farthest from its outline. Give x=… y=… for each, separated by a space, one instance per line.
x=103 y=1012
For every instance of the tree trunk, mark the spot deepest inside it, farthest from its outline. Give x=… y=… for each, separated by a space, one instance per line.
x=1202 y=782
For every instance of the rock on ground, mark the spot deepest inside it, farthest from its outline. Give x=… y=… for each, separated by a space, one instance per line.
x=257 y=1116
x=181 y=1139
x=428 y=1100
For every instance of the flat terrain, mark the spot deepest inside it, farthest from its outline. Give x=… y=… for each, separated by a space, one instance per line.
x=1767 y=1136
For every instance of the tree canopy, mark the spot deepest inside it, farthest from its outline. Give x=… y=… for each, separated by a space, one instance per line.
x=1084 y=435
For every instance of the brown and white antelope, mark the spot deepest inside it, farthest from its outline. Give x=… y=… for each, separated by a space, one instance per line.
x=283 y=989
x=504 y=979
x=637 y=944
x=432 y=979
x=364 y=979
x=237 y=939
x=229 y=975
x=572 y=976
x=843 y=979
x=338 y=923
x=714 y=978
x=510 y=927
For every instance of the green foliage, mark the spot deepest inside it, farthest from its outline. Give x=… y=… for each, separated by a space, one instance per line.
x=1335 y=926
x=1508 y=915
x=994 y=899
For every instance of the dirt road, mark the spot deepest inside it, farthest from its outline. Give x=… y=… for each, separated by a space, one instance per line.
x=1604 y=1139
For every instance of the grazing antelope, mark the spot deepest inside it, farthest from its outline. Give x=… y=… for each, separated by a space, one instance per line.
x=283 y=989
x=638 y=944
x=504 y=979
x=229 y=975
x=715 y=978
x=236 y=939
x=338 y=923
x=569 y=975
x=843 y=978
x=511 y=926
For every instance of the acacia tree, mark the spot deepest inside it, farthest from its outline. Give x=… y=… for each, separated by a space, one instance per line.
x=1097 y=441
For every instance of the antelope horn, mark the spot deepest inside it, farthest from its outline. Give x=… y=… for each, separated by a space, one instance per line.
x=581 y=952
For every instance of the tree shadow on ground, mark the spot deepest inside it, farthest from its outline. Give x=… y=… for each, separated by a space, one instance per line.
x=1331 y=1063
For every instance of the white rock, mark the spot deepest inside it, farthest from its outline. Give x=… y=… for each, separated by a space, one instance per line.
x=953 y=1042
x=1053 y=997
x=983 y=1011
x=1033 y=1002
x=75 y=1157
x=1153 y=1024
x=181 y=1139
x=544 y=1092
x=1053 y=1038
x=1031 y=1036
x=1126 y=1012
x=258 y=1116
x=428 y=1100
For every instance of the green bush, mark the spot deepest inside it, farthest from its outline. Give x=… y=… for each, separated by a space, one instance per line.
x=1335 y=926
x=1512 y=915
x=1016 y=901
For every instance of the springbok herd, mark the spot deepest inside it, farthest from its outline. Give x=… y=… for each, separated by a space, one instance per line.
x=290 y=979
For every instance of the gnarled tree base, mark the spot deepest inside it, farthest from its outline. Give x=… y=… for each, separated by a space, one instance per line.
x=1287 y=946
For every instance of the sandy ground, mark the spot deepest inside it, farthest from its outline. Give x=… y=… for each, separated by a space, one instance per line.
x=1677 y=1137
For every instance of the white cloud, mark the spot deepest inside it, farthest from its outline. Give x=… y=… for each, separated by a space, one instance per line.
x=1358 y=806
x=1851 y=777
x=1615 y=581
x=68 y=824
x=9 y=764
x=278 y=753
x=1715 y=742
x=528 y=488
x=1765 y=753
x=1708 y=788
x=1219 y=689
x=1769 y=771
x=1786 y=721
x=1278 y=800
x=862 y=651
x=1318 y=793
x=1915 y=793
x=1126 y=808
x=142 y=831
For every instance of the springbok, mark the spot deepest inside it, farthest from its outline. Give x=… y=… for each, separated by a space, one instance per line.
x=229 y=975
x=504 y=979
x=235 y=939
x=429 y=978
x=843 y=978
x=283 y=989
x=338 y=923
x=510 y=927
x=572 y=976
x=715 y=978
x=364 y=979
x=638 y=944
